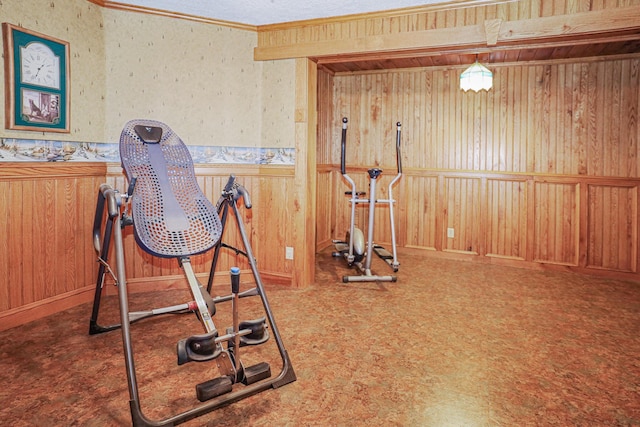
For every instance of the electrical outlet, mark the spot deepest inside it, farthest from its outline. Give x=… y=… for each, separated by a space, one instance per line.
x=451 y=233
x=288 y=252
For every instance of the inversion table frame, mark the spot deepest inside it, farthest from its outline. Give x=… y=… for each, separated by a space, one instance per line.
x=180 y=176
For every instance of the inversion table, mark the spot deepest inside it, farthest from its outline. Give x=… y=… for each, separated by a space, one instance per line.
x=172 y=218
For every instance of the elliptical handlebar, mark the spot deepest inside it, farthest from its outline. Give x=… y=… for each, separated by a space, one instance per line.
x=343 y=147
x=343 y=144
x=398 y=155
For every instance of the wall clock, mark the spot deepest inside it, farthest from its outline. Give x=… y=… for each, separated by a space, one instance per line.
x=36 y=81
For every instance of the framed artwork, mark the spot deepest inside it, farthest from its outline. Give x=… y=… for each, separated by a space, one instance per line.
x=36 y=81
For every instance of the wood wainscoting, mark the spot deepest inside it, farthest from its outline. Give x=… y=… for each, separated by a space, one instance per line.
x=266 y=224
x=583 y=224
x=47 y=258
x=540 y=171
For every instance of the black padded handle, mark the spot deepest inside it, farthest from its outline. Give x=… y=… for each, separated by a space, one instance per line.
x=398 y=154
x=240 y=191
x=343 y=146
x=235 y=280
x=230 y=182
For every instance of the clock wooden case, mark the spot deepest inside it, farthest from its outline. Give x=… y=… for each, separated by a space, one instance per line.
x=36 y=81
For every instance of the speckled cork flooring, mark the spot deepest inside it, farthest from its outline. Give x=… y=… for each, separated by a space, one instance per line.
x=450 y=344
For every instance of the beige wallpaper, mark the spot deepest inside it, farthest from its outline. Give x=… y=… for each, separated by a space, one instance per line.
x=199 y=78
x=80 y=23
x=278 y=103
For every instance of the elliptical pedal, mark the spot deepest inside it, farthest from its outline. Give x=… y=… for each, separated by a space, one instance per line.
x=386 y=256
x=341 y=248
x=382 y=252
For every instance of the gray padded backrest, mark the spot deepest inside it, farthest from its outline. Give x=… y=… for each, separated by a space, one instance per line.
x=171 y=215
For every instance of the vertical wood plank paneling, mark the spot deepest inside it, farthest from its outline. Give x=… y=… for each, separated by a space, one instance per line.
x=594 y=120
x=423 y=137
x=614 y=149
x=325 y=210
x=438 y=131
x=46 y=234
x=629 y=120
x=269 y=227
x=506 y=220
x=556 y=223
x=29 y=246
x=325 y=130
x=71 y=221
x=14 y=273
x=47 y=219
x=421 y=223
x=549 y=119
x=462 y=211
x=612 y=228
x=5 y=261
x=579 y=123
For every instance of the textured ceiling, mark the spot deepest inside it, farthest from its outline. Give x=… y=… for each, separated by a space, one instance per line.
x=264 y=12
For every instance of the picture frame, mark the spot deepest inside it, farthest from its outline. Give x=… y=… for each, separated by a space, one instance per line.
x=36 y=81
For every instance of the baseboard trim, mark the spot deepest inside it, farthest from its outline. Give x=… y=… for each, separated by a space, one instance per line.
x=46 y=307
x=43 y=308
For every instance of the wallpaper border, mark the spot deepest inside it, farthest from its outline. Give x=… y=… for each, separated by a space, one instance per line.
x=39 y=150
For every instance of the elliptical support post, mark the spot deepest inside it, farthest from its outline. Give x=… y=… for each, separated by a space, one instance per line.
x=392 y=259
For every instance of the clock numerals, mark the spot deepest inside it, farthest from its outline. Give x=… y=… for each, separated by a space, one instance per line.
x=40 y=66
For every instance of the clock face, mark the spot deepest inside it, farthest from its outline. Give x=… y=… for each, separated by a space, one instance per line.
x=39 y=65
x=36 y=80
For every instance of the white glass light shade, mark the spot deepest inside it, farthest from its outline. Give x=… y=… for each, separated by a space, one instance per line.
x=477 y=77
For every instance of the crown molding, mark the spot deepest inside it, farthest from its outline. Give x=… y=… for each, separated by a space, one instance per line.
x=177 y=15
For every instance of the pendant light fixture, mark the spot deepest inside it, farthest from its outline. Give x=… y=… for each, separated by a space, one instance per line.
x=477 y=77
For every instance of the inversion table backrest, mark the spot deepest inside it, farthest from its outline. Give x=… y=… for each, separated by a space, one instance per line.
x=171 y=215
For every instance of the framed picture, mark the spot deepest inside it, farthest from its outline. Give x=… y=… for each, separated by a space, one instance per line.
x=36 y=81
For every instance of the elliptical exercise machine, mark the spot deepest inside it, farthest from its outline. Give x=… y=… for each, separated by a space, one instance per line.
x=354 y=249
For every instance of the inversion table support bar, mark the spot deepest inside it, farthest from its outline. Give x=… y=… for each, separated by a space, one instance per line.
x=198 y=295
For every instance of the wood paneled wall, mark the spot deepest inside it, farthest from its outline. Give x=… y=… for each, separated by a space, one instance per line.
x=325 y=34
x=542 y=169
x=567 y=119
x=46 y=250
x=47 y=258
